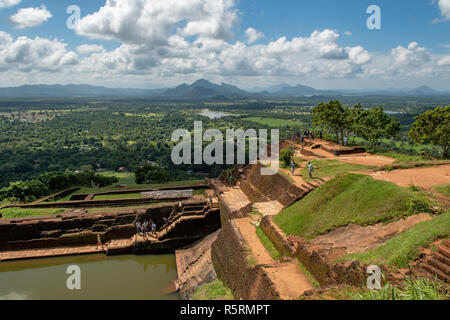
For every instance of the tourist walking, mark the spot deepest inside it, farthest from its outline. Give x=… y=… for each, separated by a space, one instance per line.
x=310 y=169
x=293 y=168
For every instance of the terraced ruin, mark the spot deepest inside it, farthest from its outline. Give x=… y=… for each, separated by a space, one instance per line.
x=264 y=237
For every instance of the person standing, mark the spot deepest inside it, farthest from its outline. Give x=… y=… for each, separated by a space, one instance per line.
x=310 y=169
x=145 y=228
x=231 y=180
x=99 y=241
x=293 y=168
x=138 y=228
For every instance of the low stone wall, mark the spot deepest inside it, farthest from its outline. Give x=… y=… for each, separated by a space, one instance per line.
x=59 y=195
x=97 y=203
x=342 y=150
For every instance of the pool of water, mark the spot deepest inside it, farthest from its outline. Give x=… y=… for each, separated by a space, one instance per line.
x=119 y=277
x=215 y=114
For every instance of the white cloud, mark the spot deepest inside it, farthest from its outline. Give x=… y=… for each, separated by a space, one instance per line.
x=444 y=5
x=170 y=41
x=445 y=61
x=9 y=3
x=89 y=48
x=25 y=54
x=253 y=35
x=413 y=56
x=30 y=17
x=153 y=21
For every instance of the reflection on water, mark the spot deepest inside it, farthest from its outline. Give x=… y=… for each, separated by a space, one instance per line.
x=215 y=114
x=120 y=277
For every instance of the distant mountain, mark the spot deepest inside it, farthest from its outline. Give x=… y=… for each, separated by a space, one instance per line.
x=204 y=89
x=298 y=90
x=37 y=91
x=423 y=91
x=201 y=89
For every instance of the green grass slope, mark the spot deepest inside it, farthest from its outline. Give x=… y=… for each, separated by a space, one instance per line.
x=352 y=198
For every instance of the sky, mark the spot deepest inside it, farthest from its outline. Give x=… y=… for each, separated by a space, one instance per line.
x=326 y=44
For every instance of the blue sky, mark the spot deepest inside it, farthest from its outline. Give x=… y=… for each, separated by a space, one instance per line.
x=323 y=43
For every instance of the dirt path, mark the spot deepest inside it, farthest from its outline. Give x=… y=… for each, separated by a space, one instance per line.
x=268 y=208
x=248 y=231
x=297 y=177
x=287 y=277
x=422 y=177
x=289 y=280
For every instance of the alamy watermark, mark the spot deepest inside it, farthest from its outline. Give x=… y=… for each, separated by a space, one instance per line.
x=374 y=280
x=73 y=282
x=74 y=18
x=374 y=21
x=214 y=152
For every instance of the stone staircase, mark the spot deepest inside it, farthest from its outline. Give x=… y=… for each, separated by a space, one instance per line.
x=436 y=265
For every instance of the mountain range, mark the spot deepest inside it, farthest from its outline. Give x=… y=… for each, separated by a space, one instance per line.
x=201 y=89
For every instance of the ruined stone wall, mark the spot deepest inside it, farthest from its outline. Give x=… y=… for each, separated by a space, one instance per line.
x=259 y=188
x=229 y=256
x=76 y=229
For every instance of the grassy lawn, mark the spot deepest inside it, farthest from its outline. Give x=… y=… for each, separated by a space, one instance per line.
x=66 y=198
x=213 y=291
x=276 y=123
x=118 y=196
x=199 y=192
x=352 y=198
x=331 y=168
x=126 y=178
x=267 y=243
x=401 y=157
x=401 y=249
x=22 y=213
x=444 y=189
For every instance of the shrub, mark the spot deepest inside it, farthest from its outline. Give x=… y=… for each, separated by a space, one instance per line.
x=151 y=174
x=286 y=156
